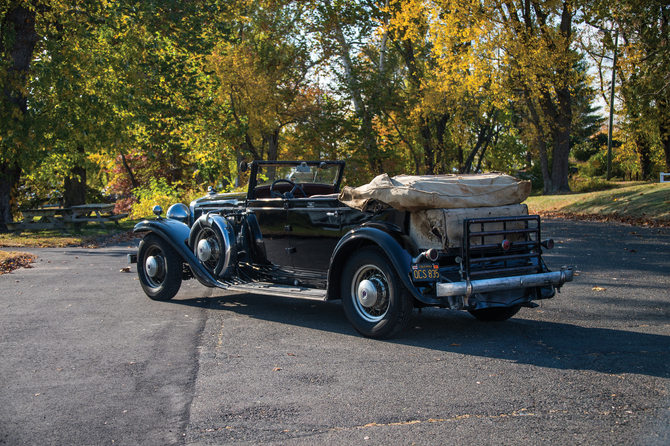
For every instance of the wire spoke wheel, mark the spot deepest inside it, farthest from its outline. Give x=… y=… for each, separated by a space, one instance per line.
x=370 y=286
x=373 y=296
x=207 y=248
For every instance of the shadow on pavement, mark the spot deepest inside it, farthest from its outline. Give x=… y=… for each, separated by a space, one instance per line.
x=538 y=343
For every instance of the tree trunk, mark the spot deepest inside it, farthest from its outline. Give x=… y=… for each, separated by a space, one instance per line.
x=664 y=130
x=644 y=152
x=273 y=151
x=9 y=180
x=273 y=145
x=365 y=114
x=541 y=142
x=133 y=181
x=560 y=169
x=428 y=153
x=74 y=186
x=544 y=164
x=23 y=41
x=666 y=148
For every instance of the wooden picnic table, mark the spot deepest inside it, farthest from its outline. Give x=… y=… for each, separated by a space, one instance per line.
x=66 y=218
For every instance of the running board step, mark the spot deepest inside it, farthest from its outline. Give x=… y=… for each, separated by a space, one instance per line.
x=273 y=289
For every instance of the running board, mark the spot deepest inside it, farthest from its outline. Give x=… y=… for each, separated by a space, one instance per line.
x=272 y=289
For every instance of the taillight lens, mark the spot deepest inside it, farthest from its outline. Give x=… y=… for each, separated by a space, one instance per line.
x=549 y=243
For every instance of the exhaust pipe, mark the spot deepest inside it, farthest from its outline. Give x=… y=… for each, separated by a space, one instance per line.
x=468 y=288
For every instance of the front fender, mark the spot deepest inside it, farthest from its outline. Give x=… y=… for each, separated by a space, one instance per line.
x=365 y=236
x=176 y=234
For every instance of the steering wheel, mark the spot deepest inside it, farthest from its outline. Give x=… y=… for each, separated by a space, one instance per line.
x=288 y=194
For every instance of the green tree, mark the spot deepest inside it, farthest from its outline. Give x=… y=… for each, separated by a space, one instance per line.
x=517 y=51
x=263 y=76
x=644 y=67
x=122 y=78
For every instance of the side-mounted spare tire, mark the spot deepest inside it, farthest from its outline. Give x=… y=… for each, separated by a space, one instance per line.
x=212 y=240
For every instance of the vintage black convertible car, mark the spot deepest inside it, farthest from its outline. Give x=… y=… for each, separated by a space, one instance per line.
x=290 y=235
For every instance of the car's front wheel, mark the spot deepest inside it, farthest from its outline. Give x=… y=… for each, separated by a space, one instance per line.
x=373 y=296
x=159 y=268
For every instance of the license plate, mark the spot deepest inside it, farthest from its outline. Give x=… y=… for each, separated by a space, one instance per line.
x=425 y=272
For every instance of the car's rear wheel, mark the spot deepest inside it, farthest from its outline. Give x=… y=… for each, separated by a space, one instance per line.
x=159 y=268
x=495 y=314
x=374 y=299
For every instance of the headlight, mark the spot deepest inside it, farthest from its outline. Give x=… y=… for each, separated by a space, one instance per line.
x=179 y=212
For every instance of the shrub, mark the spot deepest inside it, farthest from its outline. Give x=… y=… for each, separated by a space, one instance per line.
x=159 y=192
x=581 y=184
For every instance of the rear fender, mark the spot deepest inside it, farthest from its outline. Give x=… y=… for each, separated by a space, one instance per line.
x=372 y=235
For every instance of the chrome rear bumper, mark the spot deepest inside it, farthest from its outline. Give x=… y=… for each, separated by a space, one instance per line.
x=468 y=288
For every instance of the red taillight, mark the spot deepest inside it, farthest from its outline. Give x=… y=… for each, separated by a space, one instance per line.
x=549 y=243
x=432 y=254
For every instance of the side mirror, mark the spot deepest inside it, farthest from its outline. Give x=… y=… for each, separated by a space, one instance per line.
x=243 y=166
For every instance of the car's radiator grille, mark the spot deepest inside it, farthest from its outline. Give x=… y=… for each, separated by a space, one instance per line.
x=483 y=252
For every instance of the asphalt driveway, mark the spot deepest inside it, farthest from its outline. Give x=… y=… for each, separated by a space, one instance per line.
x=88 y=359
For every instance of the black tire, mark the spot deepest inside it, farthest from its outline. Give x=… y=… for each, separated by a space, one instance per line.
x=495 y=314
x=218 y=254
x=164 y=281
x=385 y=310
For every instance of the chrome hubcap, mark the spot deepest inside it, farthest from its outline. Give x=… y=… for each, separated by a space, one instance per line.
x=151 y=266
x=204 y=250
x=371 y=292
x=207 y=249
x=367 y=293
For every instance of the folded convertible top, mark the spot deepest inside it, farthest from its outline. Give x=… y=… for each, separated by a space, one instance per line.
x=413 y=193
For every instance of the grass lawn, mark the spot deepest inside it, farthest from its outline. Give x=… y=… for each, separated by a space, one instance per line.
x=630 y=202
x=91 y=235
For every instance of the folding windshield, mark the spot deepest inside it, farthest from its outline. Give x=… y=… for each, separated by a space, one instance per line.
x=328 y=174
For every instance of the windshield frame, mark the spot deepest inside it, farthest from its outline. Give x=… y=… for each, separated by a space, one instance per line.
x=253 y=174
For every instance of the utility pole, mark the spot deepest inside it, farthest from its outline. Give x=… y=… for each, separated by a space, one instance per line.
x=609 y=130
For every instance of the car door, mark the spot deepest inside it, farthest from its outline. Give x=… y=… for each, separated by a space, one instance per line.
x=271 y=214
x=315 y=230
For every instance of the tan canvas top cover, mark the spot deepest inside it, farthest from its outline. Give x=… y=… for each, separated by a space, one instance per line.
x=413 y=193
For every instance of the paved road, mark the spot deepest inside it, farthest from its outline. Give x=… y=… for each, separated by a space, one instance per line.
x=87 y=359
